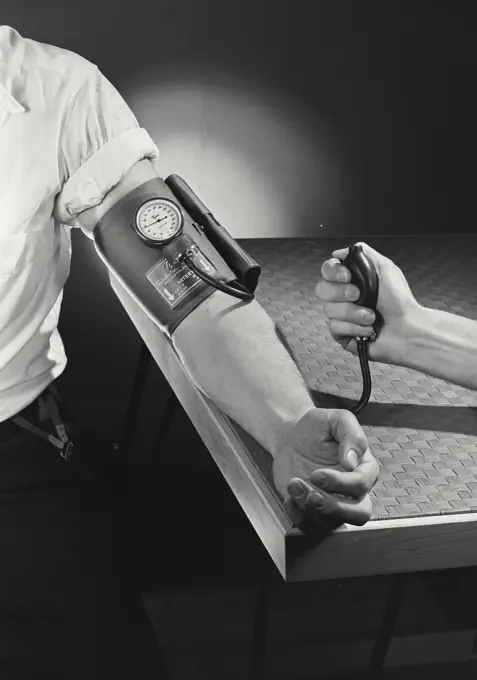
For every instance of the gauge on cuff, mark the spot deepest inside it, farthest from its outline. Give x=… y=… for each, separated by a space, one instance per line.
x=158 y=221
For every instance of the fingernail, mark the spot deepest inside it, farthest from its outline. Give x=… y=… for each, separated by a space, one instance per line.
x=297 y=490
x=368 y=317
x=342 y=277
x=319 y=477
x=316 y=501
x=352 y=293
x=352 y=458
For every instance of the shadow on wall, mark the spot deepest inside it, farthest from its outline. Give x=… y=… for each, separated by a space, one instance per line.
x=330 y=120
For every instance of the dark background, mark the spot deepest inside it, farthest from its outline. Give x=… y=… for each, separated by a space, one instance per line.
x=307 y=118
x=355 y=115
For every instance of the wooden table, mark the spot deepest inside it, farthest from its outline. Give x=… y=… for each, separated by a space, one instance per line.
x=434 y=525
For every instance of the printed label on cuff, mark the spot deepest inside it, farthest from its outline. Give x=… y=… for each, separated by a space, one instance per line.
x=177 y=281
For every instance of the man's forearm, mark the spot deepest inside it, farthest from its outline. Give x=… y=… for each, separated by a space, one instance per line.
x=443 y=345
x=232 y=353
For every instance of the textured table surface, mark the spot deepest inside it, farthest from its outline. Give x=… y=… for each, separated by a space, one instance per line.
x=422 y=430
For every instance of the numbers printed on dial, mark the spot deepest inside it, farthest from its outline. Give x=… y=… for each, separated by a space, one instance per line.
x=159 y=220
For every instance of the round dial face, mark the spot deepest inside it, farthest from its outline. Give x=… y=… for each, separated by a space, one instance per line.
x=159 y=220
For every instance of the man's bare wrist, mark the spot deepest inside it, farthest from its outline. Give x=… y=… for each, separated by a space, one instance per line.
x=417 y=337
x=288 y=422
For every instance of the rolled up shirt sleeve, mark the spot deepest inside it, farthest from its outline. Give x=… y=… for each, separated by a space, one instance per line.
x=100 y=143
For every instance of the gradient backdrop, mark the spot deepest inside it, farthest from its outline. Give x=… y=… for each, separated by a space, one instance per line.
x=306 y=118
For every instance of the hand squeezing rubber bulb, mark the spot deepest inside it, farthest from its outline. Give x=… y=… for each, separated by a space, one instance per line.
x=364 y=276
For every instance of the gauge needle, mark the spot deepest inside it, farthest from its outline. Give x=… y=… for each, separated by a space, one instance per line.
x=154 y=221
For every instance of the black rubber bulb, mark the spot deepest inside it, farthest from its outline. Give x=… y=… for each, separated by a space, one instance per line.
x=363 y=275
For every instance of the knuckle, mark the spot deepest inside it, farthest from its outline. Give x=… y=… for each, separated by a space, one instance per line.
x=328 y=269
x=343 y=341
x=350 y=422
x=356 y=313
x=289 y=505
x=301 y=502
x=336 y=327
x=321 y=290
x=376 y=472
x=346 y=311
x=329 y=508
x=362 y=441
x=335 y=418
x=350 y=309
x=361 y=487
x=364 y=517
x=336 y=414
x=325 y=484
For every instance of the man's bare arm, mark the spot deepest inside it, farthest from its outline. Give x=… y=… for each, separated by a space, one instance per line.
x=233 y=354
x=230 y=349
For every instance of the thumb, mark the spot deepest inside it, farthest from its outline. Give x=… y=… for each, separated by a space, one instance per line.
x=379 y=260
x=350 y=453
x=376 y=258
x=352 y=441
x=341 y=253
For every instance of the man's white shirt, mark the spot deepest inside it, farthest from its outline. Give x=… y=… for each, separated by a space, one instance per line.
x=67 y=137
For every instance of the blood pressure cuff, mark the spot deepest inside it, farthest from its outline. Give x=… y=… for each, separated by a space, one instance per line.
x=167 y=292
